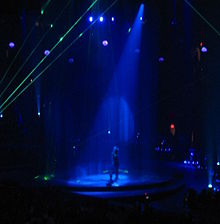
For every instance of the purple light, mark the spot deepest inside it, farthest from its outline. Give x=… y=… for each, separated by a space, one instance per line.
x=161 y=59
x=105 y=43
x=11 y=45
x=46 y=52
x=91 y=19
x=204 y=49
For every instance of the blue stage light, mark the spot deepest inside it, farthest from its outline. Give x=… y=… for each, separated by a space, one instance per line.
x=210 y=186
x=46 y=52
x=141 y=18
x=91 y=19
x=71 y=60
x=11 y=45
x=1 y=116
x=218 y=163
x=109 y=132
x=101 y=19
x=185 y=162
x=38 y=114
x=113 y=19
x=105 y=43
x=161 y=59
x=204 y=49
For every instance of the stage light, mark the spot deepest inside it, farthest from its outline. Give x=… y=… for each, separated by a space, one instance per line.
x=129 y=30
x=42 y=12
x=11 y=45
x=161 y=59
x=201 y=44
x=113 y=19
x=101 y=19
x=91 y=19
x=109 y=132
x=172 y=126
x=204 y=49
x=185 y=162
x=105 y=43
x=218 y=163
x=1 y=116
x=38 y=114
x=51 y=25
x=210 y=186
x=46 y=52
x=71 y=60
x=141 y=18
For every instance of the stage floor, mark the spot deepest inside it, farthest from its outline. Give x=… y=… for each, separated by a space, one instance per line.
x=127 y=185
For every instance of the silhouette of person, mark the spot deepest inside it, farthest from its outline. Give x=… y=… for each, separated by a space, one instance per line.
x=115 y=160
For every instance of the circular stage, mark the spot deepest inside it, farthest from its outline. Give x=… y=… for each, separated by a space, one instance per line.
x=127 y=185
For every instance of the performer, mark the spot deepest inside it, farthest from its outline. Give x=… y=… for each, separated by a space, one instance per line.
x=115 y=160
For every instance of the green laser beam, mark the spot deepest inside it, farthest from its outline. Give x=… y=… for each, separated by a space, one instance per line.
x=45 y=6
x=54 y=22
x=202 y=17
x=51 y=50
x=32 y=52
x=51 y=63
x=20 y=49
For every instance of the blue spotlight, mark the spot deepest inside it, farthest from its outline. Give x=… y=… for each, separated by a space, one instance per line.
x=113 y=19
x=11 y=45
x=210 y=186
x=71 y=60
x=101 y=19
x=38 y=114
x=91 y=19
x=141 y=18
x=46 y=52
x=204 y=49
x=105 y=43
x=218 y=163
x=1 y=116
x=185 y=162
x=109 y=132
x=161 y=59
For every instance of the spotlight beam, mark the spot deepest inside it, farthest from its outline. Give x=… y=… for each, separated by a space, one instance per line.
x=51 y=63
x=51 y=50
x=202 y=17
x=32 y=52
x=23 y=44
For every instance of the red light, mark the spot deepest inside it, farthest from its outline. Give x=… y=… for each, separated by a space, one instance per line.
x=172 y=126
x=201 y=44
